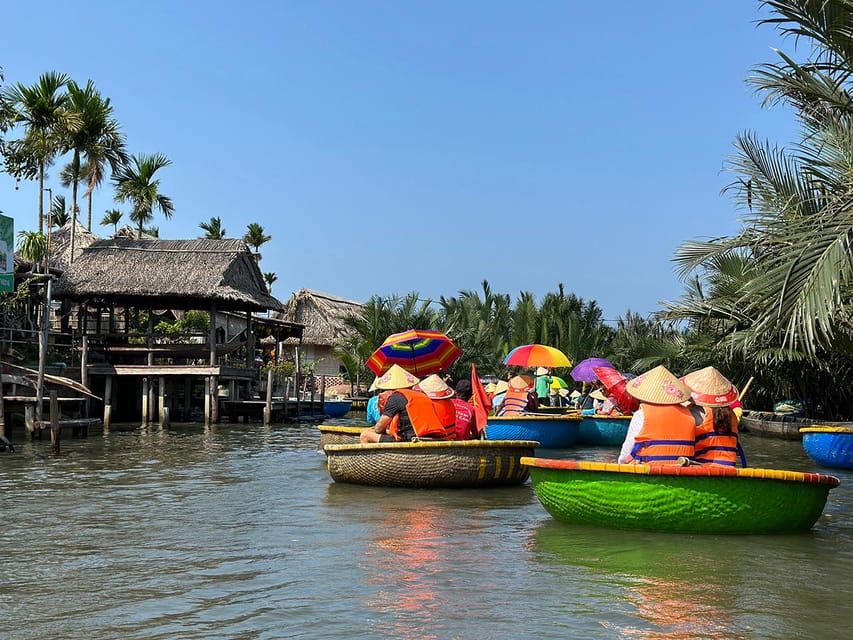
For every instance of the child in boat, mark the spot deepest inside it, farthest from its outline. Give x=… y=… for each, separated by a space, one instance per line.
x=716 y=436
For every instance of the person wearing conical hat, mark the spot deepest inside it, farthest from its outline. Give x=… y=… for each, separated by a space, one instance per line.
x=498 y=395
x=661 y=430
x=519 y=397
x=408 y=413
x=717 y=435
x=543 y=386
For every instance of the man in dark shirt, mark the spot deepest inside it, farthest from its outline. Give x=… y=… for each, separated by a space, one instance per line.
x=395 y=378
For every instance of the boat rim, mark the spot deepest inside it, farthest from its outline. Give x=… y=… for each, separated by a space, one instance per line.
x=697 y=471
x=433 y=444
x=825 y=429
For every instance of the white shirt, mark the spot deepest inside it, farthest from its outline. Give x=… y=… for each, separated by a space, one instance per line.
x=633 y=429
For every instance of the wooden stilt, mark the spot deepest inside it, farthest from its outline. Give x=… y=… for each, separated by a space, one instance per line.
x=161 y=403
x=55 y=432
x=2 y=413
x=207 y=401
x=30 y=419
x=214 y=407
x=268 y=403
x=108 y=401
x=144 y=402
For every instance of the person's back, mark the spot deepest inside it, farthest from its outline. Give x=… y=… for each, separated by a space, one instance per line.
x=717 y=433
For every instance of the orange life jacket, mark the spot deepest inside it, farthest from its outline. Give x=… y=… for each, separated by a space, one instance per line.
x=713 y=448
x=429 y=418
x=514 y=403
x=667 y=434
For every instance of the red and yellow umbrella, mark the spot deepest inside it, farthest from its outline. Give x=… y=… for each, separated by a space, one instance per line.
x=537 y=355
x=419 y=351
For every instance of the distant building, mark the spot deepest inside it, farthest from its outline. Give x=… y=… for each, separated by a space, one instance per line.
x=323 y=317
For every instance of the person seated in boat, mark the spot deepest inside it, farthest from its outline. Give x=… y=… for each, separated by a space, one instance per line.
x=609 y=407
x=373 y=410
x=501 y=387
x=543 y=386
x=409 y=413
x=466 y=417
x=519 y=398
x=598 y=399
x=662 y=429
x=716 y=437
x=586 y=399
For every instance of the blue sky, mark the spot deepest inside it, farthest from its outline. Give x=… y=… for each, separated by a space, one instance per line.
x=392 y=146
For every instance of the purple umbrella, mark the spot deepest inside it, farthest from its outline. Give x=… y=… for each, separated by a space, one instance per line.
x=582 y=371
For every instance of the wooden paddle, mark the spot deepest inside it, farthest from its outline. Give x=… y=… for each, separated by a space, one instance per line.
x=745 y=388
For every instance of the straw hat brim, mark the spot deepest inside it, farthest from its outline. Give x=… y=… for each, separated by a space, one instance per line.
x=710 y=388
x=658 y=386
x=396 y=378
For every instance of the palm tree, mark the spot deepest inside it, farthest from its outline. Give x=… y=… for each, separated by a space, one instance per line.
x=269 y=278
x=58 y=212
x=113 y=217
x=135 y=183
x=255 y=237
x=32 y=246
x=43 y=110
x=213 y=229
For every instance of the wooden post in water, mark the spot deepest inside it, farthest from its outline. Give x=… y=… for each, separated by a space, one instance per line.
x=55 y=431
x=207 y=401
x=268 y=403
x=161 y=400
x=214 y=408
x=144 y=401
x=2 y=410
x=84 y=361
x=108 y=402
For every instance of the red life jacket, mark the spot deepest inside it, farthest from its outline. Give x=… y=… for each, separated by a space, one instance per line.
x=430 y=418
x=713 y=448
x=666 y=436
x=514 y=403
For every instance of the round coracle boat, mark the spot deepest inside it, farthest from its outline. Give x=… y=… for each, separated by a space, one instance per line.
x=340 y=434
x=551 y=432
x=337 y=408
x=430 y=463
x=603 y=430
x=695 y=499
x=829 y=446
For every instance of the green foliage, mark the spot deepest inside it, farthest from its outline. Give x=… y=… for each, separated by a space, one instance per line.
x=192 y=322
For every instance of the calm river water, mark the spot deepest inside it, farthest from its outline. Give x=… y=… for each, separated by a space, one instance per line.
x=238 y=532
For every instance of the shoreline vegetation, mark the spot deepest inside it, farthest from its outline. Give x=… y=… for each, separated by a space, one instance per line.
x=772 y=302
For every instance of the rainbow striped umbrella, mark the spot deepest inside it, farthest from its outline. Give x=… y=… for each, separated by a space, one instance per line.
x=419 y=351
x=537 y=355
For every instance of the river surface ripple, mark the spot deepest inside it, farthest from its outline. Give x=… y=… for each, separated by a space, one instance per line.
x=238 y=532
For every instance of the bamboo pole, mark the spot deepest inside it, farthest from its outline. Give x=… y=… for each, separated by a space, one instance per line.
x=268 y=403
x=55 y=431
x=745 y=388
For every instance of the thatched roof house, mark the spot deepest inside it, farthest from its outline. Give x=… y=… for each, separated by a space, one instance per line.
x=174 y=274
x=323 y=316
x=60 y=244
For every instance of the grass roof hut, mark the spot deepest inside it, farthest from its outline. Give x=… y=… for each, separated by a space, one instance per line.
x=150 y=274
x=60 y=244
x=323 y=316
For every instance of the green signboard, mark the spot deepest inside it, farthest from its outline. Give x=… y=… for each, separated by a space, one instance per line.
x=7 y=254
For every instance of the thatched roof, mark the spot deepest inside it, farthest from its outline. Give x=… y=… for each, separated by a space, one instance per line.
x=175 y=274
x=131 y=233
x=60 y=244
x=322 y=315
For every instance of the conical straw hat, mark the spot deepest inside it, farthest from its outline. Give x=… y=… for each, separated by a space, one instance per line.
x=501 y=386
x=372 y=386
x=434 y=387
x=490 y=388
x=598 y=395
x=658 y=386
x=710 y=388
x=396 y=378
x=541 y=371
x=521 y=383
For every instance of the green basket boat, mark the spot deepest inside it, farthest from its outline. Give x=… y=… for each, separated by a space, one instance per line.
x=695 y=499
x=433 y=463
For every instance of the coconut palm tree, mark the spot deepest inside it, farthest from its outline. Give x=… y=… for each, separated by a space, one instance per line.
x=135 y=182
x=213 y=229
x=269 y=278
x=32 y=246
x=112 y=217
x=255 y=237
x=43 y=110
x=59 y=212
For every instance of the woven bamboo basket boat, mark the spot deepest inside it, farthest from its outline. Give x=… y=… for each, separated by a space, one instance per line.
x=551 y=432
x=340 y=434
x=829 y=446
x=765 y=423
x=337 y=408
x=427 y=464
x=695 y=499
x=603 y=430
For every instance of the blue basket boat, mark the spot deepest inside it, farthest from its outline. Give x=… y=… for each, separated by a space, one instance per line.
x=551 y=432
x=829 y=446
x=603 y=430
x=337 y=408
